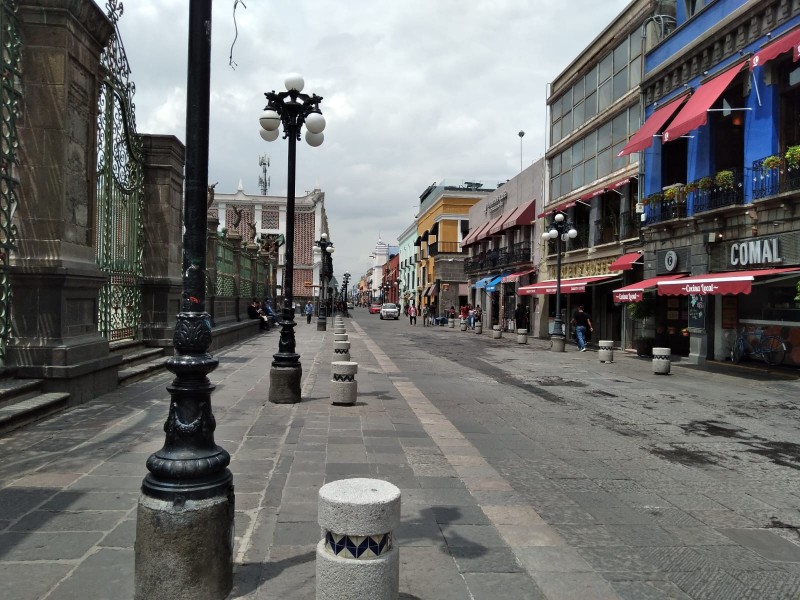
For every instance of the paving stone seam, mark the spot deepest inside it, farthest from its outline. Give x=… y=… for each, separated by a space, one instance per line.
x=443 y=433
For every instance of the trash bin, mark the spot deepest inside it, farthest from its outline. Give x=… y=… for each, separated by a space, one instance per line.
x=662 y=361
x=606 y=351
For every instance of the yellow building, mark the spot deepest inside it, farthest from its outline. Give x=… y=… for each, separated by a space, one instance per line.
x=442 y=223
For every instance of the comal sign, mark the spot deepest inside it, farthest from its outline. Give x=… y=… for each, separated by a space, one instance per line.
x=759 y=251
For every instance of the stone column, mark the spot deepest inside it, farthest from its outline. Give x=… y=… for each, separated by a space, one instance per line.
x=163 y=216
x=54 y=274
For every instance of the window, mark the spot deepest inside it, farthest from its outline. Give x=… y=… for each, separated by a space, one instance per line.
x=620 y=127
x=590 y=170
x=604 y=96
x=577 y=152
x=790 y=100
x=555 y=132
x=635 y=45
x=555 y=164
x=591 y=81
x=604 y=136
x=604 y=163
x=578 y=116
x=604 y=71
x=566 y=124
x=567 y=100
x=692 y=6
x=566 y=160
x=620 y=84
x=619 y=161
x=621 y=56
x=633 y=119
x=577 y=178
x=590 y=145
x=555 y=187
x=577 y=91
x=555 y=110
x=636 y=71
x=590 y=106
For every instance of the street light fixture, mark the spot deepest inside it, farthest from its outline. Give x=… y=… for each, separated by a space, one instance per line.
x=325 y=273
x=559 y=230
x=345 y=281
x=293 y=109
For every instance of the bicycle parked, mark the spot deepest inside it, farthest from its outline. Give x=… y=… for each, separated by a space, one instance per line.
x=769 y=348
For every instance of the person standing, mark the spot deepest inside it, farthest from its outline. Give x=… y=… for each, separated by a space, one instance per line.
x=309 y=310
x=583 y=322
x=519 y=317
x=424 y=316
x=412 y=315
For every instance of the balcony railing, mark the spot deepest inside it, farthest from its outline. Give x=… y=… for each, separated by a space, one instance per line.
x=719 y=196
x=629 y=224
x=606 y=230
x=499 y=258
x=661 y=211
x=773 y=181
x=444 y=248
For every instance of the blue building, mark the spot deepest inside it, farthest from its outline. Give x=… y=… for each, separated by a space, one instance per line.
x=720 y=174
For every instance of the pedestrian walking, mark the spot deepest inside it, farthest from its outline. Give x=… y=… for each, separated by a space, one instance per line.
x=309 y=310
x=583 y=322
x=519 y=317
x=412 y=315
x=425 y=316
x=478 y=315
x=471 y=316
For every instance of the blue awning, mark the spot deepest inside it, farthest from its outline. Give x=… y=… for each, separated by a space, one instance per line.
x=481 y=283
x=490 y=287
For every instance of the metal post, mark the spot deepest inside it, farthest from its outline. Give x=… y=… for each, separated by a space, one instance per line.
x=184 y=529
x=558 y=325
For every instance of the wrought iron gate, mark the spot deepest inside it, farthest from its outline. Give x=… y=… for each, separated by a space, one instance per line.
x=10 y=100
x=120 y=193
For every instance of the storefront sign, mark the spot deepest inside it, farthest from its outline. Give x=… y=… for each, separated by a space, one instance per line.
x=627 y=296
x=762 y=251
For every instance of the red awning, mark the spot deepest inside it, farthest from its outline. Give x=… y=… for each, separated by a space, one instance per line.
x=434 y=291
x=511 y=277
x=550 y=211
x=635 y=291
x=693 y=114
x=625 y=262
x=644 y=137
x=475 y=234
x=730 y=283
x=790 y=41
x=609 y=186
x=522 y=215
x=493 y=227
x=568 y=286
x=497 y=226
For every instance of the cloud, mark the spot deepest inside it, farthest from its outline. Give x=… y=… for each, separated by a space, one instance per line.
x=414 y=92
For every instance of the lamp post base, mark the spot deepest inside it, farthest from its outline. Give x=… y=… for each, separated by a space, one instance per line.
x=284 y=383
x=322 y=323
x=558 y=343
x=184 y=550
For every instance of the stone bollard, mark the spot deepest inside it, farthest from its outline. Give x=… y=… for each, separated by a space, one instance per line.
x=451 y=323
x=497 y=333
x=478 y=327
x=344 y=387
x=522 y=336
x=339 y=329
x=341 y=351
x=606 y=351
x=356 y=557
x=661 y=360
x=463 y=325
x=340 y=337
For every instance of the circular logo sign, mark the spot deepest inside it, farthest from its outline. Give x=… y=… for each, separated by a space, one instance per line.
x=670 y=260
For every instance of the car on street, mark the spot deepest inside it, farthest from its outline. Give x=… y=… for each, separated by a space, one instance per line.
x=374 y=309
x=350 y=306
x=390 y=311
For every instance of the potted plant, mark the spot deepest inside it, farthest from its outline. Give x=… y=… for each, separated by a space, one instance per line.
x=793 y=157
x=671 y=193
x=691 y=187
x=705 y=183
x=771 y=162
x=652 y=198
x=724 y=180
x=641 y=311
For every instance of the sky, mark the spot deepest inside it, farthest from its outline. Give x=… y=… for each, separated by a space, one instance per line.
x=414 y=92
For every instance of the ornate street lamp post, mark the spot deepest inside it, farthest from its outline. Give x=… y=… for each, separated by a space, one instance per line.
x=345 y=281
x=559 y=230
x=325 y=273
x=293 y=109
x=184 y=523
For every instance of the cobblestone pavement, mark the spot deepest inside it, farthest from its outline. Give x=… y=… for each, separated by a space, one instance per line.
x=524 y=473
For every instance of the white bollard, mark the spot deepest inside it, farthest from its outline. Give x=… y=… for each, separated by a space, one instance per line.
x=478 y=327
x=339 y=329
x=341 y=351
x=344 y=387
x=340 y=337
x=356 y=557
x=451 y=323
x=606 y=351
x=463 y=325
x=496 y=332
x=522 y=336
x=662 y=361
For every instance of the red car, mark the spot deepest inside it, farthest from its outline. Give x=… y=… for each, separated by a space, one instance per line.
x=374 y=309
